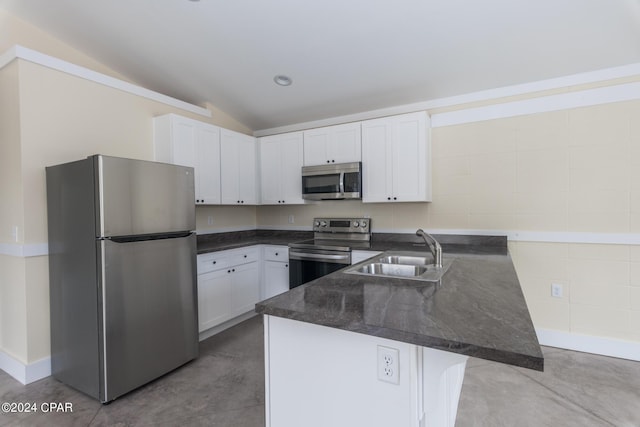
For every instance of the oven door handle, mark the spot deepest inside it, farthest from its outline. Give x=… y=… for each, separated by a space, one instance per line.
x=341 y=259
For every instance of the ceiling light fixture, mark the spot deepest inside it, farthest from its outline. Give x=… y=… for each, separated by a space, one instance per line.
x=282 y=80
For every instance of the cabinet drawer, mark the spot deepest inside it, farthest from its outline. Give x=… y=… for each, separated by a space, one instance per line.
x=218 y=260
x=276 y=253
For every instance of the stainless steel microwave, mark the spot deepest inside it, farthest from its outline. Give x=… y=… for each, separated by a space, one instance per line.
x=332 y=182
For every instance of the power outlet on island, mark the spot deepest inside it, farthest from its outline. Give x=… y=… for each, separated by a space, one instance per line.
x=388 y=364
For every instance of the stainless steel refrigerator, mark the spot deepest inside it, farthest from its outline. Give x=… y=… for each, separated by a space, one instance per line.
x=122 y=270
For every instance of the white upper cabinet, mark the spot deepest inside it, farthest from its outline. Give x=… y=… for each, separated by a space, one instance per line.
x=332 y=144
x=280 y=166
x=183 y=141
x=238 y=168
x=396 y=159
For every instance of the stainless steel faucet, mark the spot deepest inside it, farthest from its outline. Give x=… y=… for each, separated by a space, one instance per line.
x=434 y=247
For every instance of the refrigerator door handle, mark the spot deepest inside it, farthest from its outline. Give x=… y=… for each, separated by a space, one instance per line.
x=143 y=238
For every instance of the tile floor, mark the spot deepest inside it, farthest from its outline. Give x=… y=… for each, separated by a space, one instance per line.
x=224 y=387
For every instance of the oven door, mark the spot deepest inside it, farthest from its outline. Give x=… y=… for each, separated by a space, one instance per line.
x=308 y=265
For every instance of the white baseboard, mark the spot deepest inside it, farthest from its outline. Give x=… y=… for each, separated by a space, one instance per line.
x=25 y=373
x=226 y=325
x=590 y=344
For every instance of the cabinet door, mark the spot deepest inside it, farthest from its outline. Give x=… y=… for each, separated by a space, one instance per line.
x=183 y=134
x=280 y=167
x=332 y=144
x=247 y=166
x=245 y=288
x=377 y=174
x=208 y=165
x=276 y=278
x=395 y=159
x=183 y=141
x=290 y=168
x=237 y=168
x=214 y=299
x=270 y=165
x=344 y=144
x=315 y=147
x=410 y=158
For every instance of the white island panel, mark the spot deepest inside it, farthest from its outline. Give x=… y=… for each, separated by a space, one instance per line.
x=319 y=376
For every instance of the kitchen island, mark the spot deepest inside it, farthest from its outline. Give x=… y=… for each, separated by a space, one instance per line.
x=350 y=350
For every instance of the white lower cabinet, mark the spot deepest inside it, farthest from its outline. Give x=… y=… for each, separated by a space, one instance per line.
x=276 y=271
x=228 y=285
x=214 y=299
x=245 y=287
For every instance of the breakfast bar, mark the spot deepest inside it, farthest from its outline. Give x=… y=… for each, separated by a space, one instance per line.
x=357 y=349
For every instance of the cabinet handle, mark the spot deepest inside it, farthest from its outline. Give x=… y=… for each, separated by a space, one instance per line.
x=245 y=256
x=395 y=198
x=328 y=161
x=388 y=198
x=228 y=271
x=286 y=265
x=333 y=161
x=238 y=201
x=276 y=253
x=233 y=269
x=214 y=262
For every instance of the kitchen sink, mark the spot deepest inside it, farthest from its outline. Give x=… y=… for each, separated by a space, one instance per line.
x=406 y=260
x=392 y=269
x=402 y=264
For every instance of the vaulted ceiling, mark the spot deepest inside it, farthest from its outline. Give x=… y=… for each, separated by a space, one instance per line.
x=344 y=56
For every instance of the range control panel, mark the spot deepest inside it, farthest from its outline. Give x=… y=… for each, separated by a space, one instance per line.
x=342 y=225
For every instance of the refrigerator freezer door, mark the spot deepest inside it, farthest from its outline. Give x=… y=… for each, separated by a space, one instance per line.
x=139 y=197
x=149 y=311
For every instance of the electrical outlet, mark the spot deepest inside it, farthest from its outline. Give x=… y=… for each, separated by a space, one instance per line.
x=556 y=290
x=14 y=233
x=210 y=220
x=291 y=219
x=388 y=364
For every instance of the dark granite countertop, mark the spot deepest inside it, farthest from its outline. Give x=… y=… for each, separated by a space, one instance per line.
x=379 y=241
x=240 y=239
x=477 y=309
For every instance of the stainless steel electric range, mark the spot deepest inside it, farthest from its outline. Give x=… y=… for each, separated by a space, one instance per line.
x=330 y=249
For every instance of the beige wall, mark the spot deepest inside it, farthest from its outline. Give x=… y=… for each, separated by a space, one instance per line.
x=11 y=208
x=575 y=170
x=63 y=118
x=12 y=269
